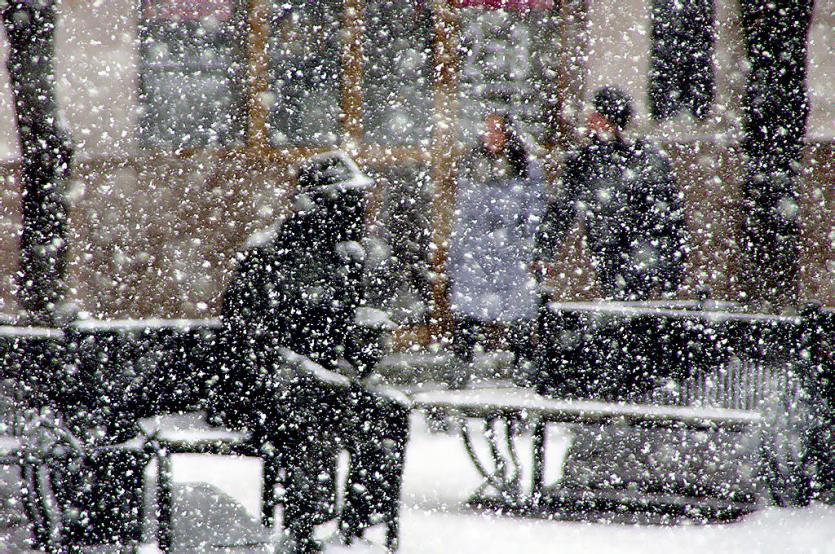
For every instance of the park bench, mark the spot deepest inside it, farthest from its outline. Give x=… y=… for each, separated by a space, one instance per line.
x=715 y=372
x=143 y=383
x=734 y=398
x=54 y=468
x=189 y=433
x=506 y=411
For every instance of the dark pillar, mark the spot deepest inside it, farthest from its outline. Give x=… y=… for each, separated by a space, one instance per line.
x=776 y=108
x=47 y=155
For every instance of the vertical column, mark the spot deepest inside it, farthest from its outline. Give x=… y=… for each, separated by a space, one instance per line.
x=776 y=108
x=352 y=73
x=258 y=66
x=47 y=155
x=559 y=128
x=444 y=134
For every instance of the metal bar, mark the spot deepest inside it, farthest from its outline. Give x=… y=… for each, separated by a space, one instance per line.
x=392 y=534
x=269 y=481
x=498 y=460
x=489 y=478
x=513 y=478
x=35 y=508
x=538 y=462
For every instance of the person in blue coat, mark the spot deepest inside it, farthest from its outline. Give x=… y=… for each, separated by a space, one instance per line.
x=499 y=202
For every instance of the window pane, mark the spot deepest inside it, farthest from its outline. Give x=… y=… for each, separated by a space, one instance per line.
x=191 y=58
x=305 y=55
x=397 y=73
x=681 y=58
x=507 y=57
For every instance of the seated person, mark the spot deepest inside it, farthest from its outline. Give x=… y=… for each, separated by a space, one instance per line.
x=292 y=316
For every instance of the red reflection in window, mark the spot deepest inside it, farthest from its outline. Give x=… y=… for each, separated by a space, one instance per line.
x=510 y=5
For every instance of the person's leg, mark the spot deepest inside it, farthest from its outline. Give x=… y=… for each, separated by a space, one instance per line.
x=464 y=338
x=310 y=418
x=377 y=444
x=520 y=342
x=467 y=333
x=310 y=491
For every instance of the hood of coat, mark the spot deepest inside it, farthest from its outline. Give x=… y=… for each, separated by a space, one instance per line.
x=330 y=206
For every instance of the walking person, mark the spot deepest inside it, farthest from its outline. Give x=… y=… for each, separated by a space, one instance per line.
x=499 y=201
x=634 y=223
x=629 y=200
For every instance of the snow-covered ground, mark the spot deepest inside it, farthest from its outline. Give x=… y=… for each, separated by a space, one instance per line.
x=439 y=478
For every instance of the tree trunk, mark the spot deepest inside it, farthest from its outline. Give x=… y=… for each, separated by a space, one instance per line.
x=776 y=108
x=47 y=155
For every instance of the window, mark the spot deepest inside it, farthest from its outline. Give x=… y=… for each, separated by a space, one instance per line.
x=305 y=85
x=397 y=72
x=681 y=60
x=191 y=63
x=508 y=51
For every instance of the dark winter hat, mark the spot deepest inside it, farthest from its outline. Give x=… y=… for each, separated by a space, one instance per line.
x=613 y=104
x=331 y=171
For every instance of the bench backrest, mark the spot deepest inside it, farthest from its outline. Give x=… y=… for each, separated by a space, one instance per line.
x=680 y=356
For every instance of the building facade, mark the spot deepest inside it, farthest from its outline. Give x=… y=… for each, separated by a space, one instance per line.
x=188 y=115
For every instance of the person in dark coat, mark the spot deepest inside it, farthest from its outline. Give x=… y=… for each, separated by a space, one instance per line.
x=293 y=317
x=633 y=215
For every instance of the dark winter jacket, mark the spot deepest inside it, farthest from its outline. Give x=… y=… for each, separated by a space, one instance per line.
x=633 y=217
x=299 y=290
x=290 y=319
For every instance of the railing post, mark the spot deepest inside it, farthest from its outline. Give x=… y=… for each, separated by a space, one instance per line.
x=165 y=526
x=269 y=481
x=538 y=463
x=816 y=326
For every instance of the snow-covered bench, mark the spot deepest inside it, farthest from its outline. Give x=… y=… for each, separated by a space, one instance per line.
x=690 y=412
x=123 y=370
x=189 y=433
x=506 y=412
x=48 y=457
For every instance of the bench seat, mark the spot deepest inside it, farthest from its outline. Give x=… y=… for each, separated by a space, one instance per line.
x=487 y=403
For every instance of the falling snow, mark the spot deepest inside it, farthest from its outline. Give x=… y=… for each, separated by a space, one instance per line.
x=434 y=276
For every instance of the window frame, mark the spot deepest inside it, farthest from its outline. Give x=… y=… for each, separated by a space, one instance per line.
x=443 y=149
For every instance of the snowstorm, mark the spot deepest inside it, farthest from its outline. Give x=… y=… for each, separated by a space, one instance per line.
x=431 y=276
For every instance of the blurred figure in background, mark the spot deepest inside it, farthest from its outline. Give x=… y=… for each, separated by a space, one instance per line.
x=499 y=200
x=628 y=196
